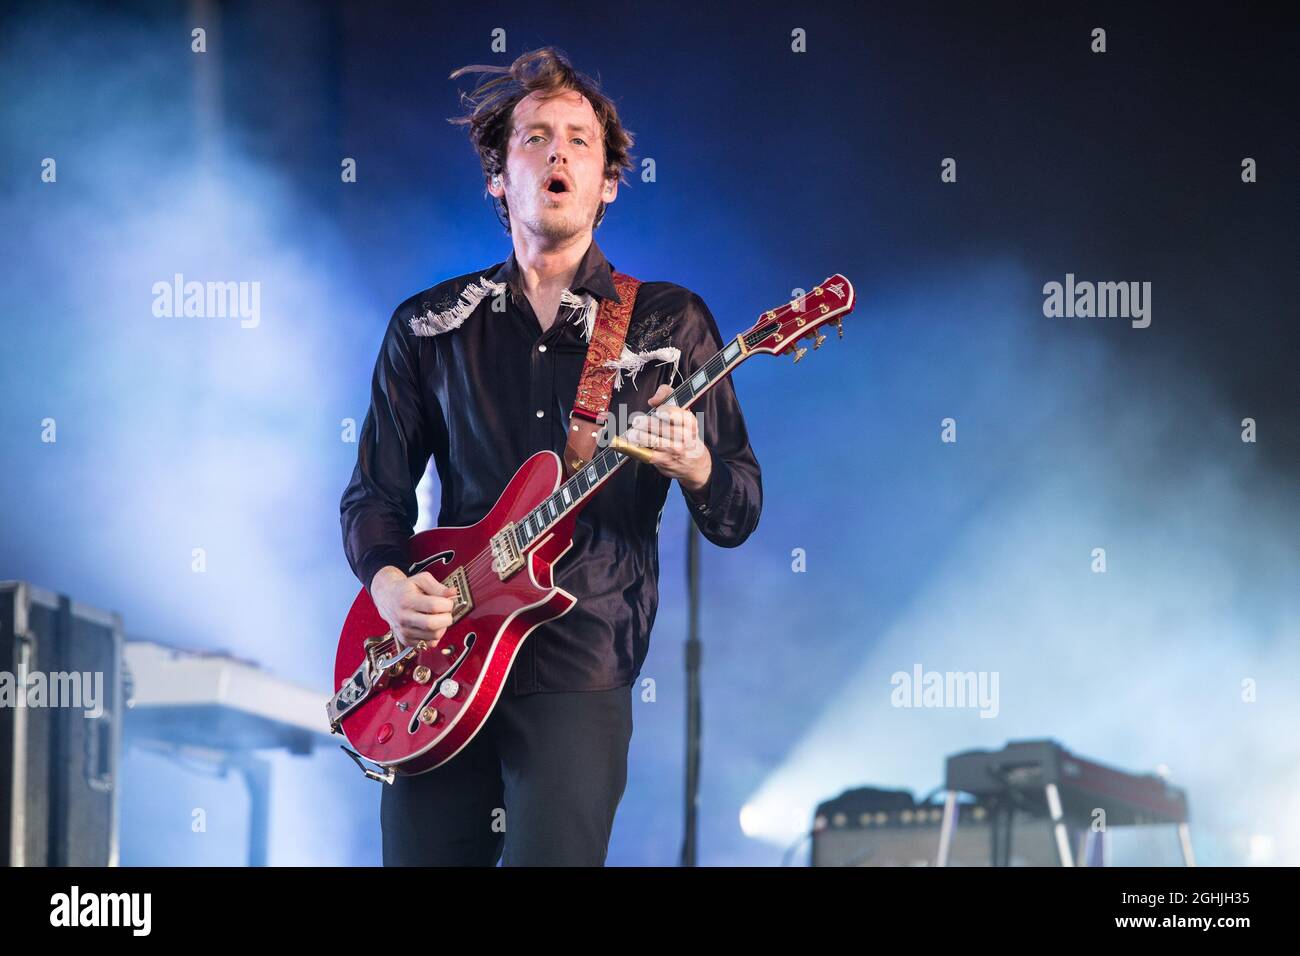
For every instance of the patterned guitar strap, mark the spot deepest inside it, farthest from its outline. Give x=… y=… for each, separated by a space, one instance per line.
x=596 y=386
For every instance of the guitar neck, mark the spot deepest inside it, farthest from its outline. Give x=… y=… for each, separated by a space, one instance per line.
x=573 y=494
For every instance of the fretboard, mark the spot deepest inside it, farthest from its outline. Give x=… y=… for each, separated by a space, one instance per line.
x=574 y=493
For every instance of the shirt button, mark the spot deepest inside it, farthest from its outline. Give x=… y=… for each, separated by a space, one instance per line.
x=540 y=413
x=541 y=348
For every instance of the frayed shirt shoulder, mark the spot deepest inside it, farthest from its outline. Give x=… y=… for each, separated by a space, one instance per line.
x=446 y=306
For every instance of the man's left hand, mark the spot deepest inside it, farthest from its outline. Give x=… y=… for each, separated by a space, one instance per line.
x=673 y=435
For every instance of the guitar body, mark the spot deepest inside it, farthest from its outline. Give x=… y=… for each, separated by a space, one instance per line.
x=467 y=669
x=409 y=710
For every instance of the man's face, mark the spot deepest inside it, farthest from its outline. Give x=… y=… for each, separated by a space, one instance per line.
x=555 y=167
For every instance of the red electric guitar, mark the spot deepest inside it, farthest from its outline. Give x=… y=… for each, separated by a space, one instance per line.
x=409 y=710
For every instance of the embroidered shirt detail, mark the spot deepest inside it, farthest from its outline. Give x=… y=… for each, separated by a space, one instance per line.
x=650 y=333
x=647 y=342
x=633 y=362
x=435 y=323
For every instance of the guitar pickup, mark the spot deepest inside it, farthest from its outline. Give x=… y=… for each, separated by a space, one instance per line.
x=464 y=601
x=506 y=557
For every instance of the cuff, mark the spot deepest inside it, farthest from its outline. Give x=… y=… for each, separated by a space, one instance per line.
x=716 y=491
x=381 y=558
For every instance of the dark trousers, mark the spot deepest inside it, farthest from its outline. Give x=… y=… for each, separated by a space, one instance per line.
x=537 y=786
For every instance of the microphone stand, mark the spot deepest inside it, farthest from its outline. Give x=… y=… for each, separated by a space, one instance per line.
x=693 y=648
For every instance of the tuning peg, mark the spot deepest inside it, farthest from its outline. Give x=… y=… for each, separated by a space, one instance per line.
x=839 y=324
x=818 y=342
x=798 y=354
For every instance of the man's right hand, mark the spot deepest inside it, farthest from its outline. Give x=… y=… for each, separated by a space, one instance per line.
x=417 y=608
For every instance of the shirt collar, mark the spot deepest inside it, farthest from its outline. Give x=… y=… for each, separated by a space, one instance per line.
x=595 y=275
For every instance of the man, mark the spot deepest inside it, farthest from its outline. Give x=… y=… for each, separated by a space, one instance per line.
x=480 y=372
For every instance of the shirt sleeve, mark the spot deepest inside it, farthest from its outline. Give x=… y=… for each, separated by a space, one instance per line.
x=728 y=507
x=379 y=507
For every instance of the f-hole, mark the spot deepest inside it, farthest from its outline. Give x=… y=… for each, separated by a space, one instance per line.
x=437 y=685
x=444 y=556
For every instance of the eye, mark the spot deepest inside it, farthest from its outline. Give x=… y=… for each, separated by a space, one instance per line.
x=579 y=139
x=533 y=137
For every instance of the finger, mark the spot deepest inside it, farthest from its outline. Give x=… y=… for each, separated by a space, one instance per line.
x=408 y=637
x=646 y=440
x=666 y=430
x=691 y=425
x=661 y=395
x=426 y=624
x=427 y=583
x=679 y=432
x=430 y=604
x=694 y=447
x=671 y=413
x=682 y=430
x=665 y=436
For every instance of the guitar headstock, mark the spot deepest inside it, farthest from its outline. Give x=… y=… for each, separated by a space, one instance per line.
x=779 y=330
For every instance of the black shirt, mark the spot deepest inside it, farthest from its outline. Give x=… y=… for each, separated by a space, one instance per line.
x=467 y=376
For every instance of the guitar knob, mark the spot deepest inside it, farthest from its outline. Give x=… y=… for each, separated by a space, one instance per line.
x=421 y=674
x=428 y=716
x=449 y=689
x=798 y=354
x=820 y=339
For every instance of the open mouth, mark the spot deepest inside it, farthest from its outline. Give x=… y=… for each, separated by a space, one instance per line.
x=556 y=185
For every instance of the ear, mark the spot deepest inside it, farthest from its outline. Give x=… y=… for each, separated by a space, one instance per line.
x=497 y=191
x=610 y=191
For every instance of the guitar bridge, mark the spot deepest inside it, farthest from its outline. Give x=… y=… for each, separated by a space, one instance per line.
x=506 y=557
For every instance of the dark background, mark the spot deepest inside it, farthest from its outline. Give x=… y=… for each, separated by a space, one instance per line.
x=773 y=170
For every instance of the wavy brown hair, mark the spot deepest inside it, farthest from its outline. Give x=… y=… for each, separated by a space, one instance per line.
x=547 y=71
